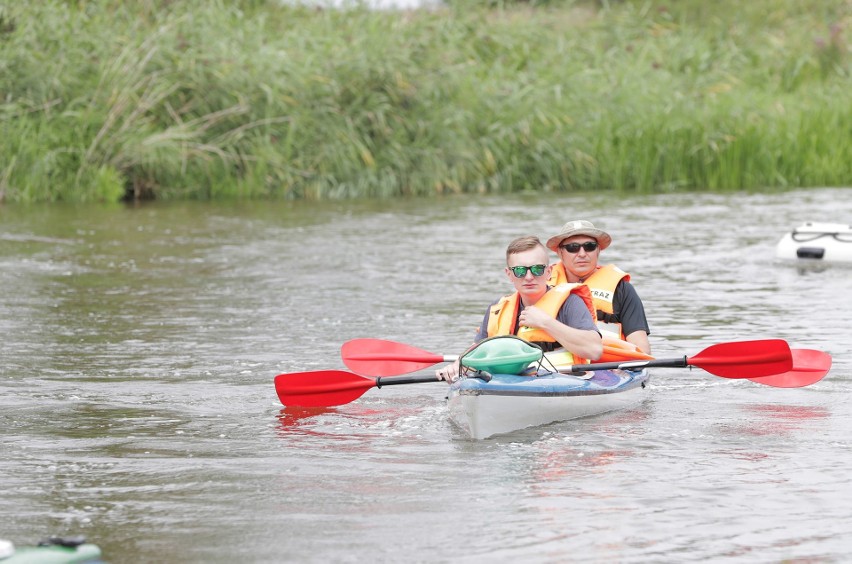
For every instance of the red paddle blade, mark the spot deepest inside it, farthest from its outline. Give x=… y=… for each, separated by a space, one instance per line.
x=377 y=357
x=745 y=359
x=321 y=388
x=809 y=367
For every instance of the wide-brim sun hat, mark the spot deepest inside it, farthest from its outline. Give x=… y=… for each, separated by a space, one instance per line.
x=579 y=227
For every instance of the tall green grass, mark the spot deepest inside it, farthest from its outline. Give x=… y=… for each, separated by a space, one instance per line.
x=195 y=99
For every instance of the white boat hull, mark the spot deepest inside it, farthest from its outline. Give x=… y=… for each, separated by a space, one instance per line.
x=509 y=403
x=829 y=242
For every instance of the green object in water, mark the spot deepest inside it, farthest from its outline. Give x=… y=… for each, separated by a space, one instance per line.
x=54 y=550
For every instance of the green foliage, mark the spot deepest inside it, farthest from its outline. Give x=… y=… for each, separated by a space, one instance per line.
x=254 y=99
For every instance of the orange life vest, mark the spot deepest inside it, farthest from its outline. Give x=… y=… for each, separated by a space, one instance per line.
x=602 y=284
x=503 y=316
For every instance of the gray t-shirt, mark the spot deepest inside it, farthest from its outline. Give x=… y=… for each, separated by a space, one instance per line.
x=573 y=313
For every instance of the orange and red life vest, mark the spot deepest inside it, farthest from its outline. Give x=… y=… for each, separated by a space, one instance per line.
x=503 y=316
x=602 y=284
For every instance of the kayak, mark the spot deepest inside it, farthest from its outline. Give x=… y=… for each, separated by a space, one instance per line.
x=55 y=550
x=830 y=242
x=510 y=402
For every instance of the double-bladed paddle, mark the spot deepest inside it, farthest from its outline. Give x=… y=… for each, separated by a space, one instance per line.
x=739 y=359
x=378 y=357
x=769 y=362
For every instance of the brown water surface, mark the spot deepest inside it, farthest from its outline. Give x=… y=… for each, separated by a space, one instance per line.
x=139 y=347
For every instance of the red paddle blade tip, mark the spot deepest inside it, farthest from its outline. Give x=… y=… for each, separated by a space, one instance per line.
x=809 y=367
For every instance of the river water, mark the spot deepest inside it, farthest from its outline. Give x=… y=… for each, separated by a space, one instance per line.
x=139 y=347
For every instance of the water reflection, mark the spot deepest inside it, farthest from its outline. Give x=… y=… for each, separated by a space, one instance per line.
x=775 y=419
x=790 y=413
x=348 y=422
x=292 y=418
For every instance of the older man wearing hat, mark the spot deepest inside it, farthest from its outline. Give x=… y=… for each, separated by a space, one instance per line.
x=578 y=245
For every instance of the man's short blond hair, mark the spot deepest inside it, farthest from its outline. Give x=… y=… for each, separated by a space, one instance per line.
x=524 y=243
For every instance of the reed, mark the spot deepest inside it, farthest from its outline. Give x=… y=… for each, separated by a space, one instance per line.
x=191 y=99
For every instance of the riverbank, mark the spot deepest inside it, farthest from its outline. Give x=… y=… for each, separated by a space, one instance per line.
x=197 y=100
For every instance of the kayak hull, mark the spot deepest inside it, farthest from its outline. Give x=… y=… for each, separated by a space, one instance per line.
x=508 y=403
x=812 y=241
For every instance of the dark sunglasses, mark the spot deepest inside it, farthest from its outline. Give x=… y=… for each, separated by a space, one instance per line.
x=521 y=271
x=588 y=246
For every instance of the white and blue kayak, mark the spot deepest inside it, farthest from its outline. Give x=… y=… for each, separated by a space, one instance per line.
x=509 y=402
x=829 y=242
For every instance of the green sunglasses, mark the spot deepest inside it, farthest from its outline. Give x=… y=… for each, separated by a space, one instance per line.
x=521 y=271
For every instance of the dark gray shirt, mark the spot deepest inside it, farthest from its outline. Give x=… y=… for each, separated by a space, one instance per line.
x=627 y=309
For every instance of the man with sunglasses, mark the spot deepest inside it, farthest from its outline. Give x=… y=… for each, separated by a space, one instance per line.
x=550 y=317
x=619 y=309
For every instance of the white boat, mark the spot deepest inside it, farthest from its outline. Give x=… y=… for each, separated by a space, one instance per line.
x=830 y=242
x=53 y=550
x=509 y=402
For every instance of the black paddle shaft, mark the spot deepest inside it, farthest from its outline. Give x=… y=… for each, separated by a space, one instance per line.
x=413 y=379
x=631 y=365
x=423 y=378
